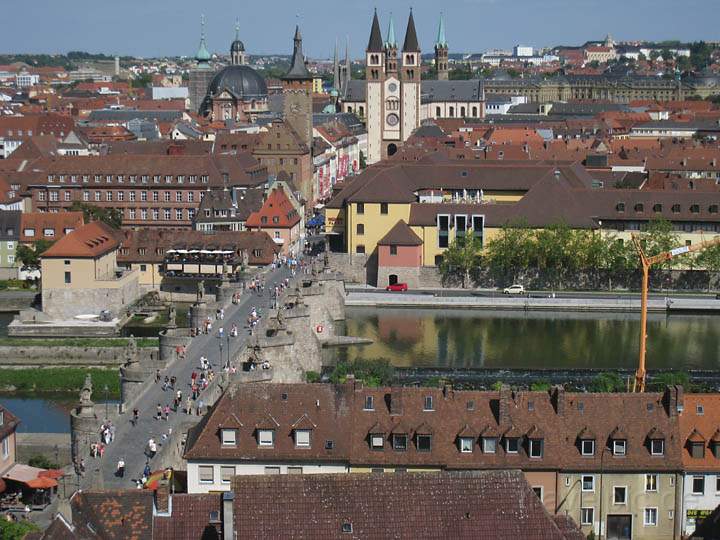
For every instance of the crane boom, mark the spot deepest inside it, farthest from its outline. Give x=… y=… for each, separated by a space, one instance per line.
x=646 y=262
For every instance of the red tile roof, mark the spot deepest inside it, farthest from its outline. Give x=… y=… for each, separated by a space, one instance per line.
x=89 y=241
x=277 y=212
x=61 y=223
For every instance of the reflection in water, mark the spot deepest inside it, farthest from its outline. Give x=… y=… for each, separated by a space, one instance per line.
x=518 y=339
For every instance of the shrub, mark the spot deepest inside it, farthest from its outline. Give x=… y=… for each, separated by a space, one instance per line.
x=607 y=382
x=312 y=376
x=42 y=462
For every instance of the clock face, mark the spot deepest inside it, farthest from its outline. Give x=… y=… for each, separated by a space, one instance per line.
x=392 y=87
x=392 y=119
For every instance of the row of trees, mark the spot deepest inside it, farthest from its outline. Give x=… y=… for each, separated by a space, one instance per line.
x=560 y=251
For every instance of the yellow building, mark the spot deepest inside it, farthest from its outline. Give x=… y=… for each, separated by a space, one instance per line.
x=317 y=85
x=80 y=275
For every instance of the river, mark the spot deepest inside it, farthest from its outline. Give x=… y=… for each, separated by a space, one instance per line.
x=518 y=339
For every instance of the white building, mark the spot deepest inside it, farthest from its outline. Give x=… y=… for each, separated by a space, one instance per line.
x=522 y=50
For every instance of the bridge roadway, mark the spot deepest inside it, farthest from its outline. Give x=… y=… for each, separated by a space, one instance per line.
x=131 y=441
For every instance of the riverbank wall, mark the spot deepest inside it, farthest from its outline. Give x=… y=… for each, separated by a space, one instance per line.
x=18 y=357
x=53 y=446
x=14 y=301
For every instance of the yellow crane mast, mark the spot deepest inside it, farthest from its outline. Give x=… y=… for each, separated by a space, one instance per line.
x=646 y=262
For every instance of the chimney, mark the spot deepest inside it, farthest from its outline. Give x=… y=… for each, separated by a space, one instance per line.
x=504 y=405
x=558 y=399
x=396 y=401
x=162 y=496
x=448 y=392
x=674 y=399
x=228 y=522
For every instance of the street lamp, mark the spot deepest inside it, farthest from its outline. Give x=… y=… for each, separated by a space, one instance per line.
x=107 y=390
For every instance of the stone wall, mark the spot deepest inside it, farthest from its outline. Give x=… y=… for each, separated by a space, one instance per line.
x=16 y=300
x=58 y=356
x=65 y=304
x=404 y=274
x=352 y=266
x=43 y=444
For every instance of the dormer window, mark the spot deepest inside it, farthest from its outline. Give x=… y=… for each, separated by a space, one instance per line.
x=489 y=445
x=535 y=448
x=369 y=404
x=428 y=404
x=229 y=437
x=466 y=444
x=302 y=438
x=657 y=447
x=266 y=437
x=512 y=445
x=399 y=442
x=424 y=443
x=377 y=441
x=620 y=207
x=619 y=447
x=587 y=447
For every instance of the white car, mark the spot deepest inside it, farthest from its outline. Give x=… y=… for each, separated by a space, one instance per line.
x=514 y=289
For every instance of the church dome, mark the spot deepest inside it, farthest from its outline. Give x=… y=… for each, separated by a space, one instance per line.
x=243 y=81
x=237 y=46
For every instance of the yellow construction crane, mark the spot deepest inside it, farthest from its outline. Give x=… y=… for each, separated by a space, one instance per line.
x=646 y=262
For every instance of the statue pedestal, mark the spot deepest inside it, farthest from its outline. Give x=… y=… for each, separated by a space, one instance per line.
x=199 y=314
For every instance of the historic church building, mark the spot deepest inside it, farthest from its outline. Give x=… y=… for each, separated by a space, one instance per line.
x=394 y=100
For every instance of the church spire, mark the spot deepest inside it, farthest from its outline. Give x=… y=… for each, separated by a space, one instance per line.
x=391 y=41
x=298 y=70
x=375 y=44
x=203 y=55
x=237 y=28
x=441 y=41
x=411 y=40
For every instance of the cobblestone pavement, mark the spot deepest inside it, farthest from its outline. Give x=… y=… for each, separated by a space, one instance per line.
x=131 y=441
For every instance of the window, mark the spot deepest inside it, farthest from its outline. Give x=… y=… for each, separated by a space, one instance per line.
x=229 y=437
x=86 y=196
x=511 y=445
x=369 y=404
x=466 y=445
x=155 y=196
x=272 y=470
x=360 y=228
x=360 y=208
x=657 y=208
x=226 y=473
x=619 y=495
x=535 y=447
x=695 y=208
x=400 y=442
x=143 y=213
x=206 y=474
x=428 y=404
x=383 y=208
x=393 y=250
x=717 y=480
x=675 y=208
x=41 y=196
x=697 y=450
x=713 y=209
x=587 y=447
x=619 y=447
x=588 y=482
x=68 y=277
x=489 y=445
x=29 y=232
x=698 y=485
x=53 y=196
x=360 y=249
x=302 y=438
x=266 y=437
x=294 y=470
x=651 y=481
x=620 y=207
x=639 y=207
x=178 y=214
x=166 y=196
x=650 y=517
x=424 y=443
x=347 y=528
x=587 y=516
x=657 y=447
x=166 y=214
x=377 y=441
x=443 y=226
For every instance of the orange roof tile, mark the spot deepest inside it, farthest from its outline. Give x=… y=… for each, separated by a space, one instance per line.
x=89 y=241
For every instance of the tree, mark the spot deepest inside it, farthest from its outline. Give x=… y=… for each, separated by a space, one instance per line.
x=363 y=160
x=461 y=257
x=709 y=259
x=659 y=238
x=30 y=255
x=109 y=216
x=16 y=530
x=510 y=250
x=142 y=80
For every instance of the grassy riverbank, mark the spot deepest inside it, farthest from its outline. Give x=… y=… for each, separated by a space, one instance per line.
x=53 y=380
x=150 y=342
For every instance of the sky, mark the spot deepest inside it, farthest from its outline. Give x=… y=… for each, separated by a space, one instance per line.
x=149 y=28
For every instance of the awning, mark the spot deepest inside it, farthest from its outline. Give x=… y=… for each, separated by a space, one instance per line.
x=279 y=240
x=30 y=476
x=52 y=473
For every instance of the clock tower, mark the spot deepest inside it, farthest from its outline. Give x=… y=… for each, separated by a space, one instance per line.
x=297 y=94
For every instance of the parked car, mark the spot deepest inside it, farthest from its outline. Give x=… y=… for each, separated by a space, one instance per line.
x=397 y=287
x=514 y=289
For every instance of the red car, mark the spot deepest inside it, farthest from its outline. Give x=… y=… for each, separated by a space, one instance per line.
x=397 y=287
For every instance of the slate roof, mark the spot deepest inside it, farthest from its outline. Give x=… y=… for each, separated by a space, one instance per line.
x=375 y=44
x=124 y=115
x=411 y=40
x=457 y=505
x=439 y=91
x=298 y=70
x=89 y=241
x=400 y=235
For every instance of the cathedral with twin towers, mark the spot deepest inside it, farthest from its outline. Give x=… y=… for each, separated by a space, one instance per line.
x=394 y=100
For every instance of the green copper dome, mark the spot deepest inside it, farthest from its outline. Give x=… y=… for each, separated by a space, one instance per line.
x=203 y=55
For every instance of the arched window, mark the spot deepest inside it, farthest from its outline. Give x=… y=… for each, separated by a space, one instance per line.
x=437 y=112
x=475 y=112
x=361 y=110
x=452 y=112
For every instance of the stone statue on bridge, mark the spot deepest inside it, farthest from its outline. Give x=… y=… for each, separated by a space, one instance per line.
x=200 y=291
x=86 y=392
x=131 y=352
x=172 y=316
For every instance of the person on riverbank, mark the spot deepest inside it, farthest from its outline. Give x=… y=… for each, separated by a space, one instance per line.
x=188 y=405
x=151 y=448
x=157 y=376
x=136 y=417
x=120 y=473
x=158 y=413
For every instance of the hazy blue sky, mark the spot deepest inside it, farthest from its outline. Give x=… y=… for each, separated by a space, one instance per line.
x=160 y=27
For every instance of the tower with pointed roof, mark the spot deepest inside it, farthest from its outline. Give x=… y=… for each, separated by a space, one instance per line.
x=238 y=57
x=441 y=52
x=391 y=56
x=374 y=82
x=410 y=80
x=201 y=75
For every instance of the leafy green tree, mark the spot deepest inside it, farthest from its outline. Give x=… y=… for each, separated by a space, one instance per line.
x=142 y=80
x=109 y=216
x=659 y=237
x=510 y=251
x=461 y=257
x=607 y=382
x=709 y=259
x=30 y=255
x=16 y=530
x=363 y=160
